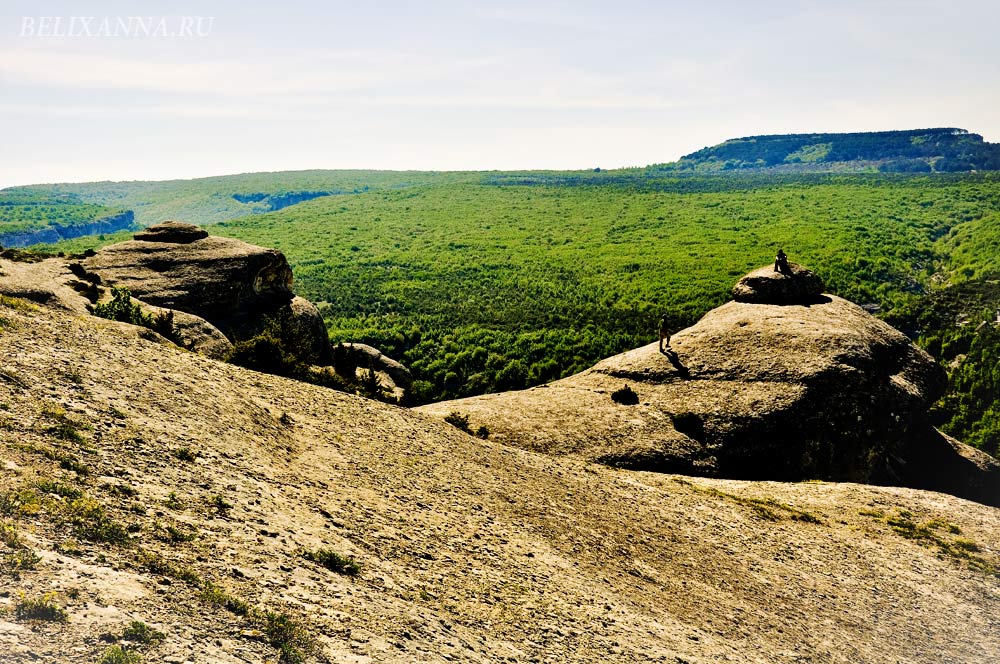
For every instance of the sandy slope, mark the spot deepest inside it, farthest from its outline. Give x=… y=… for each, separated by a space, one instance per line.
x=471 y=551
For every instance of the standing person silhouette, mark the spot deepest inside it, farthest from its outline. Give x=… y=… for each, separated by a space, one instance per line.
x=664 y=332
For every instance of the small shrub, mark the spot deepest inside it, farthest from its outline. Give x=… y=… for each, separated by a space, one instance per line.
x=20 y=502
x=188 y=575
x=482 y=432
x=625 y=396
x=120 y=490
x=17 y=303
x=290 y=638
x=19 y=560
x=219 y=503
x=173 y=502
x=334 y=562
x=370 y=386
x=90 y=521
x=154 y=563
x=458 y=420
x=40 y=608
x=184 y=454
x=121 y=308
x=118 y=655
x=139 y=632
x=176 y=535
x=163 y=324
x=9 y=536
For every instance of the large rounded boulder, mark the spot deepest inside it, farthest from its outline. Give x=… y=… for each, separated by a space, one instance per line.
x=769 y=285
x=235 y=286
x=817 y=389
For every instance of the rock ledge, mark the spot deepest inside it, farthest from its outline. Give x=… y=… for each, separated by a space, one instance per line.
x=175 y=232
x=798 y=285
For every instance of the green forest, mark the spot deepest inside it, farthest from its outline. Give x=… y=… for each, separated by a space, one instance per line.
x=26 y=209
x=495 y=281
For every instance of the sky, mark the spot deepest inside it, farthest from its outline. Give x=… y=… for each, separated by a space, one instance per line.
x=191 y=89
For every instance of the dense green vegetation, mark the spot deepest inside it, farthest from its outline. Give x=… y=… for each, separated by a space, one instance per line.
x=911 y=151
x=480 y=288
x=28 y=210
x=484 y=282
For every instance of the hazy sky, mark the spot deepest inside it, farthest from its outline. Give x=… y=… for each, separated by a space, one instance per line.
x=469 y=85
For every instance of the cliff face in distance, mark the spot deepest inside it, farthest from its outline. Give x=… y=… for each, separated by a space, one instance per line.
x=56 y=232
x=241 y=516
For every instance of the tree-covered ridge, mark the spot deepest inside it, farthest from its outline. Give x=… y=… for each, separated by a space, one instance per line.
x=218 y=198
x=28 y=210
x=917 y=150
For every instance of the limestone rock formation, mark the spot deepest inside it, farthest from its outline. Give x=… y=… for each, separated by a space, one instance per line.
x=176 y=232
x=766 y=285
x=233 y=285
x=196 y=334
x=355 y=356
x=753 y=391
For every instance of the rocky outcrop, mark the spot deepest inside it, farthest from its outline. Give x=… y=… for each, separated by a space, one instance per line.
x=235 y=286
x=796 y=285
x=176 y=232
x=57 y=232
x=821 y=390
x=350 y=357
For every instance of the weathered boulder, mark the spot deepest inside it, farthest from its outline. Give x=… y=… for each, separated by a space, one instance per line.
x=752 y=391
x=193 y=333
x=353 y=357
x=233 y=285
x=176 y=232
x=766 y=285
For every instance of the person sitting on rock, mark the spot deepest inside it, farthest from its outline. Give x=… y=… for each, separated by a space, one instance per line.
x=664 y=332
x=781 y=262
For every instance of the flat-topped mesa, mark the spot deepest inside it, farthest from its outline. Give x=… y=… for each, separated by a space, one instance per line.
x=796 y=285
x=175 y=232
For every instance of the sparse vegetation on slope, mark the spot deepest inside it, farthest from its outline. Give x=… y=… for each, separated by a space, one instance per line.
x=472 y=550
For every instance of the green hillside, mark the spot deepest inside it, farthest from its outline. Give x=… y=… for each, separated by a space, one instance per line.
x=212 y=199
x=912 y=151
x=29 y=217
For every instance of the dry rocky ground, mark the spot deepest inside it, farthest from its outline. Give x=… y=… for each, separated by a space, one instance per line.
x=156 y=485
